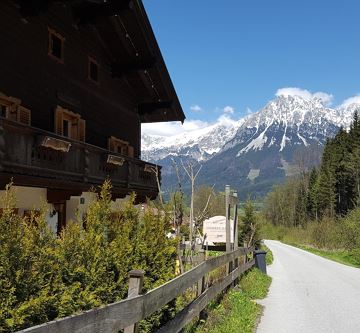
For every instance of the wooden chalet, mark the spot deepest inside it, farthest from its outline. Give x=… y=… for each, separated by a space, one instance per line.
x=77 y=79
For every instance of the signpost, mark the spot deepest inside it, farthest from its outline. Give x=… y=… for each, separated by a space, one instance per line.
x=215 y=230
x=227 y=215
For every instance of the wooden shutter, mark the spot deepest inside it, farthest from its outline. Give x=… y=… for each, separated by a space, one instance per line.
x=11 y=108
x=81 y=130
x=23 y=115
x=58 y=123
x=111 y=143
x=130 y=151
x=124 y=149
x=12 y=112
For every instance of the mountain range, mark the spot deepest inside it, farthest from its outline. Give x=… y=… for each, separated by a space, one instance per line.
x=255 y=152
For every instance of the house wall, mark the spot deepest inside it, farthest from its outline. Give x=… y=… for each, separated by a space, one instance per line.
x=32 y=198
x=27 y=72
x=74 y=208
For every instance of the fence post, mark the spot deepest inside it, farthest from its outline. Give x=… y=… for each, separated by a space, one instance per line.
x=227 y=221
x=136 y=278
x=201 y=282
x=245 y=256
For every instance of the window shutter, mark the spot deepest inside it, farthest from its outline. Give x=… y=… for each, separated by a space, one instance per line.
x=12 y=113
x=111 y=144
x=124 y=149
x=81 y=128
x=58 y=126
x=74 y=129
x=131 y=151
x=24 y=115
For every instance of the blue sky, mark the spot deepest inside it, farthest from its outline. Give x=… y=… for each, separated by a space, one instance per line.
x=234 y=55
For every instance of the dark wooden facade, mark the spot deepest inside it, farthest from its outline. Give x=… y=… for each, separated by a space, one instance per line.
x=131 y=86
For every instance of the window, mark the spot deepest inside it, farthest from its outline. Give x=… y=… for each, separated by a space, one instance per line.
x=69 y=124
x=56 y=45
x=12 y=109
x=14 y=211
x=3 y=110
x=66 y=125
x=120 y=146
x=93 y=70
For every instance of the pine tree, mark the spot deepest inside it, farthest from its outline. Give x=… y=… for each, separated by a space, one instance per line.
x=248 y=228
x=354 y=158
x=312 y=207
x=327 y=180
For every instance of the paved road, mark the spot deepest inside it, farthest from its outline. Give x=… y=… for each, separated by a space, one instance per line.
x=310 y=294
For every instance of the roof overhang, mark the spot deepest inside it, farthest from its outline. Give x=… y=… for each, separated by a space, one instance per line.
x=126 y=33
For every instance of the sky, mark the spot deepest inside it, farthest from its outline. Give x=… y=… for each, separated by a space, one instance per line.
x=228 y=58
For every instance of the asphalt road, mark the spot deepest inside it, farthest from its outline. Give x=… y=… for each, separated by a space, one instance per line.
x=310 y=294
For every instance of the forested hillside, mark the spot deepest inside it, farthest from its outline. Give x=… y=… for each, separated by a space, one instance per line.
x=323 y=204
x=331 y=190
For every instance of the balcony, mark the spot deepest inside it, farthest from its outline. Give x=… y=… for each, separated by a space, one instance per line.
x=33 y=157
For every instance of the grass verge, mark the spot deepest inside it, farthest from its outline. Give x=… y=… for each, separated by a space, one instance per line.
x=269 y=255
x=238 y=311
x=340 y=256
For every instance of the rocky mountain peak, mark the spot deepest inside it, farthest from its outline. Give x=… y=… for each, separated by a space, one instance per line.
x=259 y=149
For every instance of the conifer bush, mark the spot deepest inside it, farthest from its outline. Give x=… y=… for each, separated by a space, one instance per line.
x=44 y=277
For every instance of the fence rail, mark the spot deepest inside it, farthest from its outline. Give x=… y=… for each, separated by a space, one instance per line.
x=120 y=315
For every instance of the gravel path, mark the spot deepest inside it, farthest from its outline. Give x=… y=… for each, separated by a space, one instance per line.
x=310 y=294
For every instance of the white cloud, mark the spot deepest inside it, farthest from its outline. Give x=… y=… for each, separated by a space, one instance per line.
x=225 y=119
x=175 y=128
x=248 y=110
x=228 y=109
x=172 y=128
x=351 y=100
x=306 y=94
x=196 y=108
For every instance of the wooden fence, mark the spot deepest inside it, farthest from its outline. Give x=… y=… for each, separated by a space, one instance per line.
x=126 y=313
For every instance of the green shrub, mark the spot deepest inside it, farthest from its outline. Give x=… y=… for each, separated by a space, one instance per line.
x=350 y=233
x=43 y=277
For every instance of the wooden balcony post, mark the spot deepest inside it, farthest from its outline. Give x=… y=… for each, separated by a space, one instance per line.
x=135 y=289
x=2 y=146
x=86 y=165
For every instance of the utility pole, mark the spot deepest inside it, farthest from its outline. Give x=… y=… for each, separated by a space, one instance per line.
x=236 y=222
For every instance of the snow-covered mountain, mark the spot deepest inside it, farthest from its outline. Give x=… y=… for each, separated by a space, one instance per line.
x=289 y=121
x=200 y=144
x=262 y=147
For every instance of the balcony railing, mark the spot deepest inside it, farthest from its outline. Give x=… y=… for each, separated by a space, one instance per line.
x=30 y=151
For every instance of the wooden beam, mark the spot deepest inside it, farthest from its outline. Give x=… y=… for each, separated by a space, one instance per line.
x=56 y=196
x=148 y=108
x=88 y=12
x=120 y=68
x=34 y=7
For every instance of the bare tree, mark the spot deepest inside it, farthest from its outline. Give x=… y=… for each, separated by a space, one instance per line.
x=198 y=219
x=178 y=206
x=155 y=170
x=189 y=169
